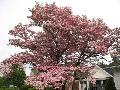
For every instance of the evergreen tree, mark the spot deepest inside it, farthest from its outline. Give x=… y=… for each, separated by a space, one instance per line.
x=16 y=77
x=110 y=85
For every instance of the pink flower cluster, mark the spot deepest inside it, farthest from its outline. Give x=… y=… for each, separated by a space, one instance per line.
x=5 y=69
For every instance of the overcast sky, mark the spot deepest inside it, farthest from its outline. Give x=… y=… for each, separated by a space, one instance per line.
x=14 y=11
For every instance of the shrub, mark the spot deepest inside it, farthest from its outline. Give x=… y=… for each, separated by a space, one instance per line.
x=27 y=87
x=31 y=89
x=1 y=88
x=9 y=88
x=48 y=88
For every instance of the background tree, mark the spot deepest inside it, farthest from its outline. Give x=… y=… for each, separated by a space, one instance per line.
x=2 y=81
x=110 y=85
x=63 y=46
x=16 y=77
x=115 y=57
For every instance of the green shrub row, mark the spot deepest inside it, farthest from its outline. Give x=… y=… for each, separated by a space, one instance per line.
x=8 y=88
x=12 y=88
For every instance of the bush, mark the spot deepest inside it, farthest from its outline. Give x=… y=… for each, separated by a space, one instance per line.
x=1 y=88
x=31 y=89
x=27 y=87
x=9 y=88
x=48 y=88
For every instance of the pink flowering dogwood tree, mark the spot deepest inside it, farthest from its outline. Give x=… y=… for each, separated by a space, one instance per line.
x=62 y=48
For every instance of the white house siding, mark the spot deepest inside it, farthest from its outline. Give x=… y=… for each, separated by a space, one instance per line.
x=117 y=79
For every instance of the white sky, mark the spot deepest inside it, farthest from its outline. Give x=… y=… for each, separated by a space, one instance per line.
x=14 y=11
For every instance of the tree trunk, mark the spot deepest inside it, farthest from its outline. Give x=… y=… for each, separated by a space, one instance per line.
x=68 y=86
x=76 y=85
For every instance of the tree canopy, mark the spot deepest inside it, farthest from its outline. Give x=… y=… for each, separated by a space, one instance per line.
x=63 y=46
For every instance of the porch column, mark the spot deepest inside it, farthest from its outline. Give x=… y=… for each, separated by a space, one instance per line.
x=87 y=85
x=101 y=84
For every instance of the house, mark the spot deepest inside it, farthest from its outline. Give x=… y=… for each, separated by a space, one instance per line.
x=100 y=75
